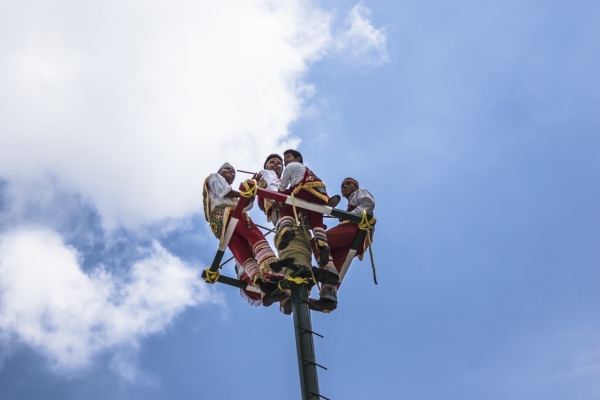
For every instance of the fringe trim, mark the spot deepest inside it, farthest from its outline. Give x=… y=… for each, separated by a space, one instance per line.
x=271 y=209
x=322 y=243
x=206 y=199
x=310 y=187
x=226 y=214
x=253 y=302
x=268 y=206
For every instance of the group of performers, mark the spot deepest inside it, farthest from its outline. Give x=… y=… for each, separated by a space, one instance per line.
x=258 y=265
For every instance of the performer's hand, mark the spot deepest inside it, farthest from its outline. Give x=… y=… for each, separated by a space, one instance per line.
x=257 y=176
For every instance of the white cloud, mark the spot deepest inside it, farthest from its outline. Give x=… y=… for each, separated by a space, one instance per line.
x=49 y=303
x=131 y=104
x=362 y=41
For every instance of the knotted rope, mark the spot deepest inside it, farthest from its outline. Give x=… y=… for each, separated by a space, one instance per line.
x=211 y=277
x=250 y=191
x=297 y=280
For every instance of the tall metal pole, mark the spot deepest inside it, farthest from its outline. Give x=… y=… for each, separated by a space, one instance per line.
x=305 y=347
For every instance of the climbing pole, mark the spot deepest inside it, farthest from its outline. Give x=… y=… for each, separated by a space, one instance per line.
x=307 y=364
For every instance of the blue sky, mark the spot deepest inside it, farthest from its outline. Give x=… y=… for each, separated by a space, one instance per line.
x=474 y=124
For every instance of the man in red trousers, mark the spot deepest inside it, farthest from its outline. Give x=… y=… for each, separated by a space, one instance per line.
x=248 y=245
x=340 y=238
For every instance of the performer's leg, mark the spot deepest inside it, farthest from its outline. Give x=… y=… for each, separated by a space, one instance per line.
x=340 y=239
x=338 y=256
x=242 y=252
x=284 y=232
x=252 y=297
x=316 y=218
x=342 y=235
x=264 y=255
x=316 y=223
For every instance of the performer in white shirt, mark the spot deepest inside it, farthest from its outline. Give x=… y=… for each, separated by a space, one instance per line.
x=248 y=245
x=305 y=185
x=271 y=174
x=341 y=237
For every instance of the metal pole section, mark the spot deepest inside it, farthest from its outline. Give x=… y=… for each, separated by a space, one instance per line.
x=307 y=366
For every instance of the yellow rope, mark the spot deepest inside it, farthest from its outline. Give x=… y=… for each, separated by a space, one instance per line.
x=366 y=224
x=310 y=187
x=307 y=237
x=250 y=191
x=294 y=208
x=297 y=280
x=211 y=277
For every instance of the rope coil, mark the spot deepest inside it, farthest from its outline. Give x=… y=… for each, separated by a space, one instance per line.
x=366 y=224
x=211 y=277
x=294 y=208
x=250 y=191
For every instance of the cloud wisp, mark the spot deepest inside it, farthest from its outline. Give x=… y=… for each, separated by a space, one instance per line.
x=49 y=303
x=361 y=41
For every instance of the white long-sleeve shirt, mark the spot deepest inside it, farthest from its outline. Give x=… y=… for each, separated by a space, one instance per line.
x=271 y=178
x=217 y=189
x=361 y=200
x=293 y=174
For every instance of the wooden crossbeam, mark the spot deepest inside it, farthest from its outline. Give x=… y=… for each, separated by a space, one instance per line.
x=323 y=209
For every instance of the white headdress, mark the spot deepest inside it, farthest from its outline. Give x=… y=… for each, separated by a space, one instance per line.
x=226 y=165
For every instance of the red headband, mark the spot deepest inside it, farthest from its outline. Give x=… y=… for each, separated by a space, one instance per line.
x=351 y=180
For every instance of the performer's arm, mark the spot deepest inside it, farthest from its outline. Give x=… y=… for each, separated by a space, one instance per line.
x=221 y=188
x=285 y=179
x=365 y=200
x=232 y=194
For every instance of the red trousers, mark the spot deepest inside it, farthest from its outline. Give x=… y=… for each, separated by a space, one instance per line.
x=316 y=219
x=340 y=239
x=247 y=240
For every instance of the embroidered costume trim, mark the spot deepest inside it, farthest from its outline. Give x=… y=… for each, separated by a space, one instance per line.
x=218 y=220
